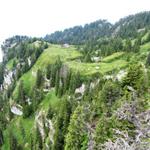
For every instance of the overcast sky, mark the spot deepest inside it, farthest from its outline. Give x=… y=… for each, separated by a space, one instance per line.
x=39 y=17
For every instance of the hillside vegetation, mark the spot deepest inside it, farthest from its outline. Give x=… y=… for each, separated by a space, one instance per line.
x=91 y=95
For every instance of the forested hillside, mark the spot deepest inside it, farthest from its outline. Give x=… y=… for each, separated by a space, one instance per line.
x=86 y=88
x=81 y=34
x=128 y=27
x=131 y=25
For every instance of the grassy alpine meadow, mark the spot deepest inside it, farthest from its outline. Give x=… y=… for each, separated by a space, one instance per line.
x=50 y=55
x=70 y=56
x=83 y=88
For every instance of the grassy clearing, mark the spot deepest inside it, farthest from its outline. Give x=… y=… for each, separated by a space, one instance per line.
x=141 y=56
x=145 y=48
x=28 y=80
x=144 y=38
x=91 y=68
x=9 y=65
x=50 y=55
x=50 y=99
x=110 y=63
x=27 y=124
x=113 y=57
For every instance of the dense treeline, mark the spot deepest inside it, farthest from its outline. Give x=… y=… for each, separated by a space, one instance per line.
x=57 y=76
x=108 y=46
x=1 y=73
x=126 y=27
x=23 y=54
x=132 y=25
x=20 y=50
x=79 y=34
x=13 y=40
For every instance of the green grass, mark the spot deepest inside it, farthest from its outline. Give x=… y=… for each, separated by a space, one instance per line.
x=145 y=48
x=141 y=56
x=110 y=63
x=29 y=81
x=67 y=55
x=28 y=123
x=91 y=68
x=50 y=55
x=113 y=57
x=50 y=99
x=9 y=65
x=144 y=38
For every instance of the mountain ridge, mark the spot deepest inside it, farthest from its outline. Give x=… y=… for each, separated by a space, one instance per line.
x=96 y=32
x=90 y=96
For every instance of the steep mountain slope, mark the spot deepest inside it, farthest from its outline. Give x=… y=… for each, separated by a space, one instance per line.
x=69 y=56
x=132 y=25
x=93 y=96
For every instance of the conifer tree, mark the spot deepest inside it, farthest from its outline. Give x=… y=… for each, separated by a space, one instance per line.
x=74 y=138
x=32 y=144
x=148 y=60
x=50 y=112
x=12 y=141
x=110 y=92
x=1 y=138
x=128 y=45
x=37 y=96
x=148 y=37
x=22 y=131
x=21 y=94
x=53 y=75
x=87 y=58
x=136 y=78
x=48 y=72
x=1 y=73
x=67 y=81
x=39 y=78
x=75 y=82
x=39 y=141
x=57 y=82
x=136 y=46
x=62 y=124
x=103 y=132
x=61 y=87
x=58 y=137
x=10 y=113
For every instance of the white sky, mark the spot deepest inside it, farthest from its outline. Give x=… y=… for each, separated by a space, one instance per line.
x=40 y=17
